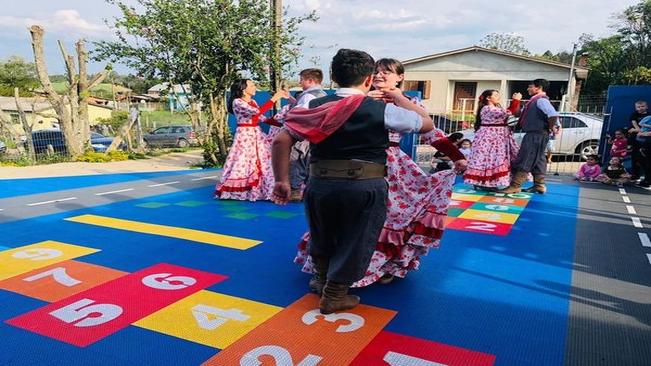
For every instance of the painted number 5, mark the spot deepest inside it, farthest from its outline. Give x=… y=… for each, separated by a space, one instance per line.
x=165 y=281
x=281 y=356
x=83 y=314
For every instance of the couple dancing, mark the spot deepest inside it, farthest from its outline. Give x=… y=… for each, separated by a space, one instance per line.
x=372 y=211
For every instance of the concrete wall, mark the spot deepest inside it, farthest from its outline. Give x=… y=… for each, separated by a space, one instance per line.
x=488 y=69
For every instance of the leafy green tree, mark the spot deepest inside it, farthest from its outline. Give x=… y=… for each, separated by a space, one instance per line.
x=634 y=27
x=16 y=72
x=207 y=44
x=606 y=61
x=506 y=42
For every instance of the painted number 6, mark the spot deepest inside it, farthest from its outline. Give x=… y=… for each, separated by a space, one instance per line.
x=165 y=281
x=83 y=314
x=281 y=356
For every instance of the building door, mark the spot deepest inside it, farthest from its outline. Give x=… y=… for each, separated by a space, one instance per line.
x=464 y=96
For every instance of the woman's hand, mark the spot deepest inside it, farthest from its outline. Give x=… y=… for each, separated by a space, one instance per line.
x=516 y=96
x=392 y=95
x=281 y=94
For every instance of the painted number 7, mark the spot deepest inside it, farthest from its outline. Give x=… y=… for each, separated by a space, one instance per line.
x=58 y=274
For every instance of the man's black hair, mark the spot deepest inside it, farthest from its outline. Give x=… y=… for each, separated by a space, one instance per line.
x=351 y=67
x=541 y=83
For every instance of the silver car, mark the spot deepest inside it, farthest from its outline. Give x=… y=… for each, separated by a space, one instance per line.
x=171 y=136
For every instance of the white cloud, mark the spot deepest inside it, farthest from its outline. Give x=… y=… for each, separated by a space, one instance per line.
x=67 y=21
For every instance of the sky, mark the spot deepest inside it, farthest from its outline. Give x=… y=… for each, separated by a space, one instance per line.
x=401 y=29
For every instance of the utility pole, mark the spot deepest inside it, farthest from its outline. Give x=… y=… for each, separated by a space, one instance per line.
x=570 y=92
x=276 y=68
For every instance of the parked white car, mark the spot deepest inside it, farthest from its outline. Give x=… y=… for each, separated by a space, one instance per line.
x=580 y=134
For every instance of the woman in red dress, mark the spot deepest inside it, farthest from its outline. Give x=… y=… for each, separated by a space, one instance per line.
x=247 y=173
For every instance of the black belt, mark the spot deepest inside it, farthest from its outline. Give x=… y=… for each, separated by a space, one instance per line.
x=347 y=169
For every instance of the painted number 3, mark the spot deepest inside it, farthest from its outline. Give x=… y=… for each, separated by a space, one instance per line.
x=281 y=356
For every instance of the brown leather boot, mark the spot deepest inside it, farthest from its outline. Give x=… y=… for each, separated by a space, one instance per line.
x=335 y=298
x=318 y=281
x=516 y=183
x=538 y=185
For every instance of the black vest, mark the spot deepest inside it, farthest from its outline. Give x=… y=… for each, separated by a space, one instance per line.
x=363 y=136
x=535 y=120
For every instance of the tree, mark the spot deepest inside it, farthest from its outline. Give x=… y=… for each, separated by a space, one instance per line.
x=634 y=27
x=72 y=108
x=206 y=44
x=16 y=72
x=507 y=42
x=606 y=61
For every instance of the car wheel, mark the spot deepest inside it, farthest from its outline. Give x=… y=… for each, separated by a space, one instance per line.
x=588 y=148
x=183 y=143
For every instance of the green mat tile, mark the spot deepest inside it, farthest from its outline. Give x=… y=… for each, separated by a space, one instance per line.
x=190 y=203
x=242 y=216
x=153 y=205
x=281 y=214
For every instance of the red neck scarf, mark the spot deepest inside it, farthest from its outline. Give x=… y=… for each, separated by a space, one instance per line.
x=318 y=123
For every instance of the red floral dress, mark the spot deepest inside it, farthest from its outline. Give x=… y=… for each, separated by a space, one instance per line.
x=493 y=149
x=247 y=173
x=416 y=211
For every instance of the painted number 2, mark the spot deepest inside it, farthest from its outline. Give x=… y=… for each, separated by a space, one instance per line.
x=281 y=356
x=83 y=314
x=398 y=359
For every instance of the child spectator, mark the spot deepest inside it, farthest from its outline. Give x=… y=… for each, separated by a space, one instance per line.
x=465 y=146
x=614 y=174
x=440 y=161
x=619 y=144
x=590 y=170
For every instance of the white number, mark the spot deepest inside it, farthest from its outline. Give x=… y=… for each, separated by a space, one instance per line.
x=86 y=314
x=59 y=274
x=355 y=321
x=163 y=281
x=503 y=200
x=455 y=203
x=280 y=355
x=518 y=195
x=37 y=254
x=463 y=190
x=489 y=216
x=398 y=359
x=497 y=207
x=484 y=226
x=202 y=313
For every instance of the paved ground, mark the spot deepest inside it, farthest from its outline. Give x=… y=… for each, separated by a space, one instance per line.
x=567 y=284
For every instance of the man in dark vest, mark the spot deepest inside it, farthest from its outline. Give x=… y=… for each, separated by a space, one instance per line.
x=310 y=80
x=537 y=120
x=346 y=195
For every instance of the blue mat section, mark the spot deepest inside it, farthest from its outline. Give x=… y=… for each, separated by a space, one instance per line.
x=21 y=187
x=506 y=296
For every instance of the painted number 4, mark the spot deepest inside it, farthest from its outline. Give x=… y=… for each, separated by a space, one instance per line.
x=211 y=318
x=281 y=356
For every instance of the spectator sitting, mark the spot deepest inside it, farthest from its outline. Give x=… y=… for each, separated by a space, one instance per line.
x=440 y=161
x=590 y=170
x=619 y=144
x=614 y=174
x=465 y=146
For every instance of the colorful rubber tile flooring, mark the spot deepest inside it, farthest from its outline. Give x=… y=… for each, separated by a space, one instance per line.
x=181 y=279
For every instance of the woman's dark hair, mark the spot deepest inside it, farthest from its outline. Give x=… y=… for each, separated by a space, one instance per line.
x=454 y=137
x=237 y=91
x=481 y=103
x=392 y=65
x=351 y=67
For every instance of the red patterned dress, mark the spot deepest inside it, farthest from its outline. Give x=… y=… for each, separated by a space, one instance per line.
x=247 y=173
x=416 y=212
x=493 y=149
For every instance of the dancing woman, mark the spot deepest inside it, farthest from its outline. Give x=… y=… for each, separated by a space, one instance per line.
x=247 y=173
x=417 y=202
x=494 y=147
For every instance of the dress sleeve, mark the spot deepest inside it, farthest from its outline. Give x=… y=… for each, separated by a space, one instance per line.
x=513 y=107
